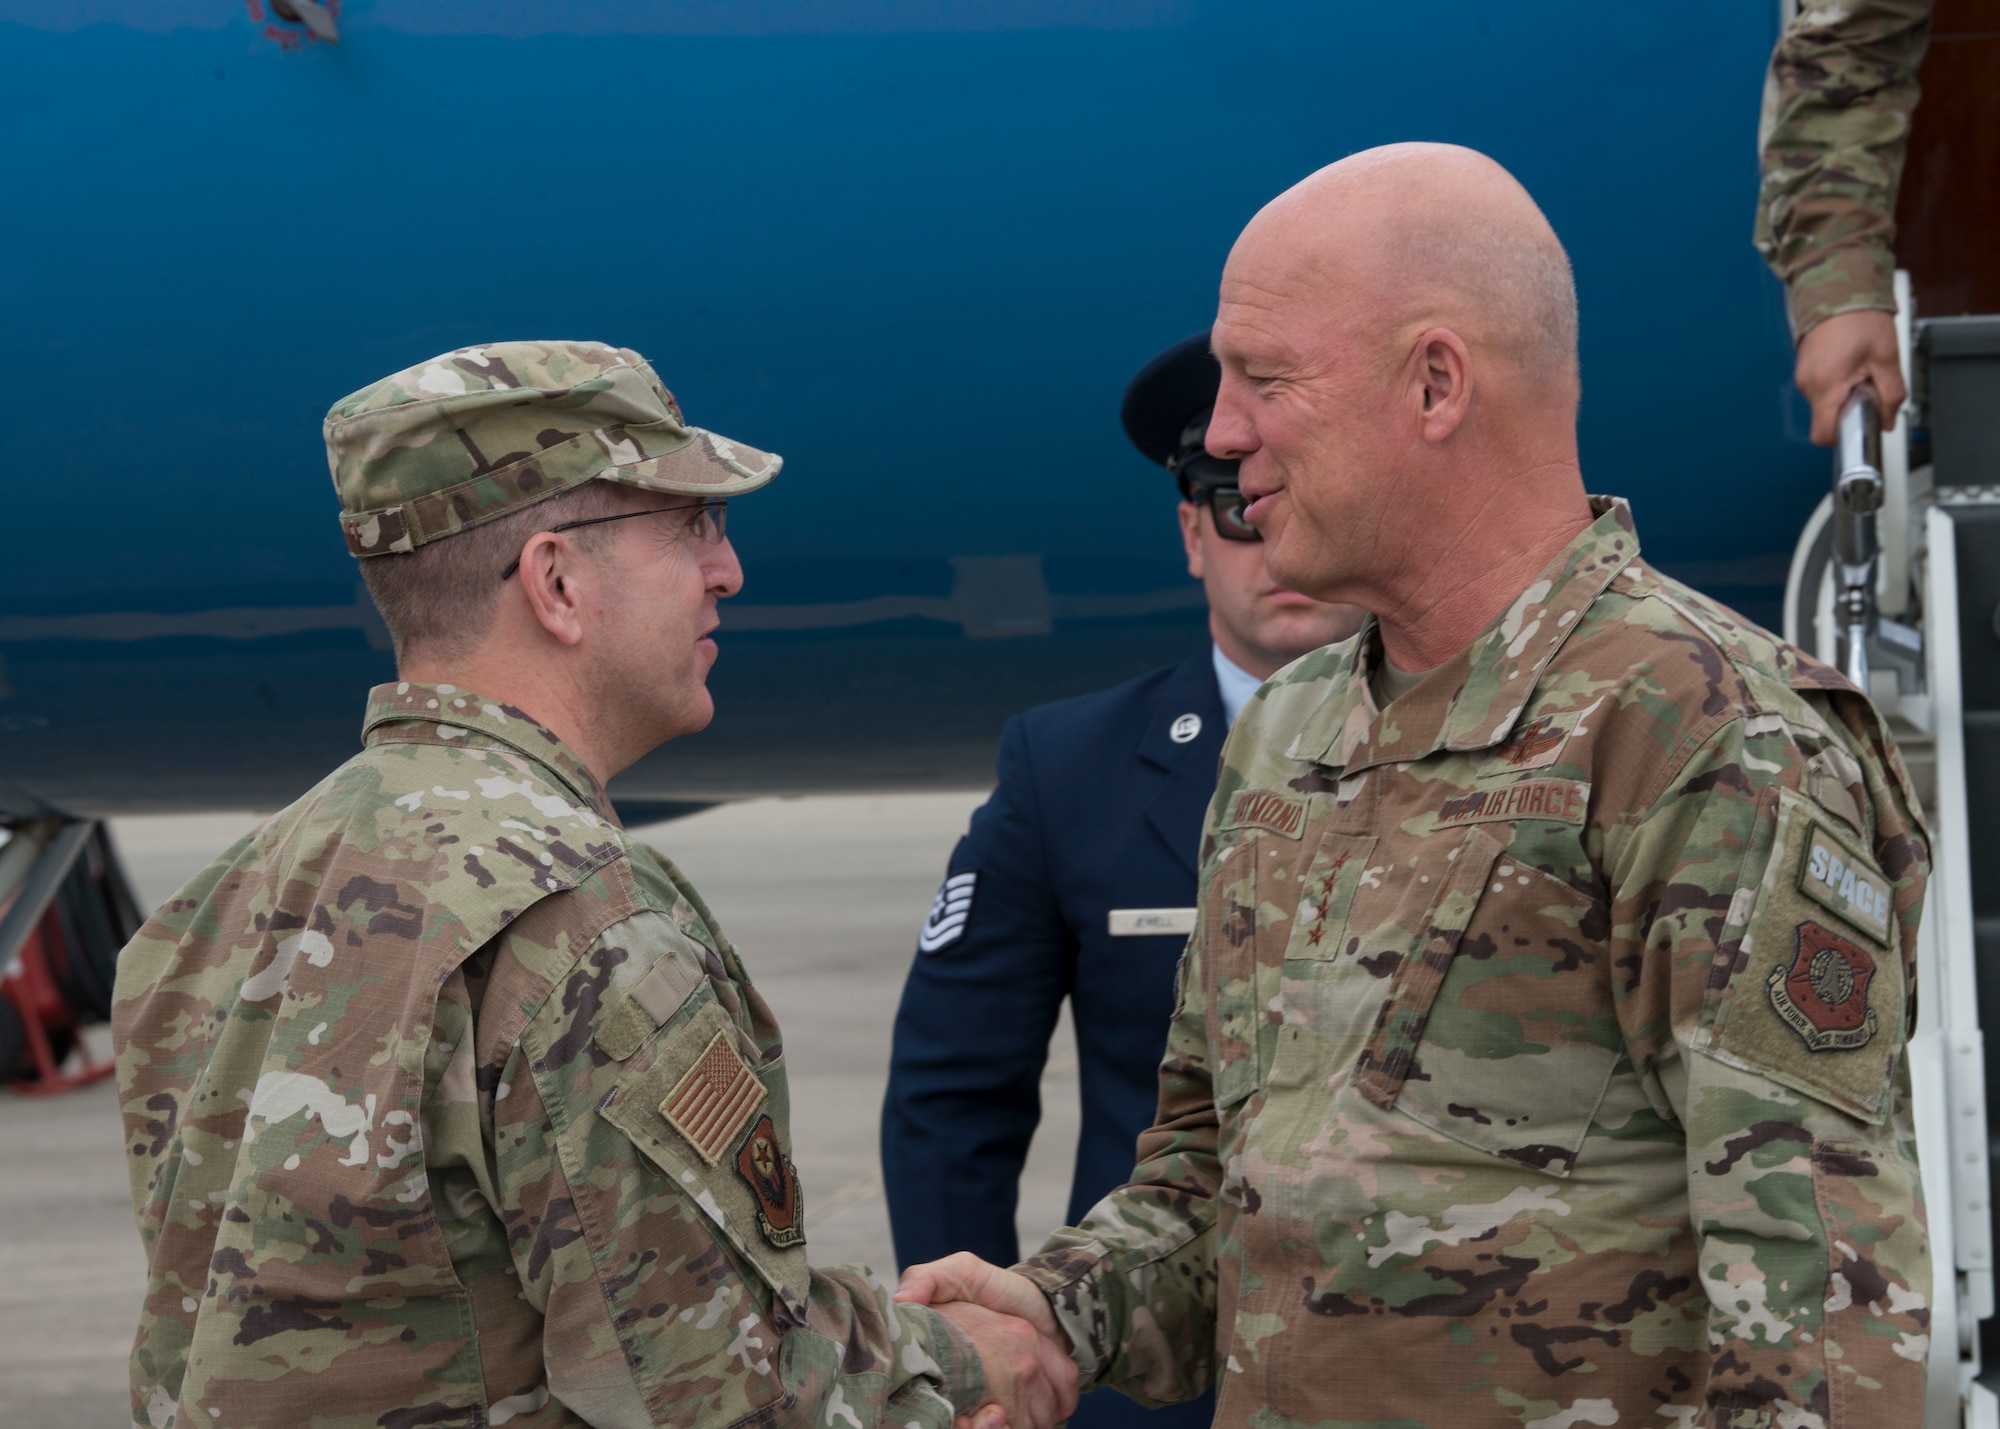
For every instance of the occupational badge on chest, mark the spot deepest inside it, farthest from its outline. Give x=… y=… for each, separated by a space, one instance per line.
x=1536 y=744
x=774 y=1183
x=1823 y=995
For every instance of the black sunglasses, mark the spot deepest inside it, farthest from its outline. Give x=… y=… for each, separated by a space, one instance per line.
x=1225 y=504
x=1211 y=481
x=709 y=528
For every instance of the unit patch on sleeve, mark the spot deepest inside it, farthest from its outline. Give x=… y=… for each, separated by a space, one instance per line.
x=1817 y=999
x=775 y=1185
x=949 y=913
x=1823 y=995
x=1837 y=881
x=718 y=1094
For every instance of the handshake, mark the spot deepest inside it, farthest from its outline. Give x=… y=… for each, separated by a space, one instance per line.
x=1030 y=1378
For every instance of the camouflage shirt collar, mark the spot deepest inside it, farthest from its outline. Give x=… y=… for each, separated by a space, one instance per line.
x=449 y=712
x=1473 y=700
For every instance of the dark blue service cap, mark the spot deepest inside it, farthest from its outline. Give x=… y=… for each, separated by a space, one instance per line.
x=1173 y=392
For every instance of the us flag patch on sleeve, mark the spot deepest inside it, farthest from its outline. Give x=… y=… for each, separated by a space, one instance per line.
x=946 y=924
x=715 y=1100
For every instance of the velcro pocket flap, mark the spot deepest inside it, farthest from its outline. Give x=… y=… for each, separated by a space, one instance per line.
x=649 y=1004
x=1522 y=1039
x=1392 y=1048
x=1227 y=934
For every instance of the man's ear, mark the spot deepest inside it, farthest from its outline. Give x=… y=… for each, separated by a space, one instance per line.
x=548 y=577
x=1442 y=375
x=1190 y=515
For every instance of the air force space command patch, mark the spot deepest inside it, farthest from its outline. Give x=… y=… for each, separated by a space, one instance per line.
x=1823 y=994
x=946 y=924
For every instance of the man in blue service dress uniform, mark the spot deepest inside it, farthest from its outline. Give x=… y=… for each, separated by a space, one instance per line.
x=1077 y=879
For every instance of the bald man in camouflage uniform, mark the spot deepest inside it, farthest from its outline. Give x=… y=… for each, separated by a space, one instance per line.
x=1538 y=1057
x=1836 y=126
x=1549 y=1049
x=447 y=1103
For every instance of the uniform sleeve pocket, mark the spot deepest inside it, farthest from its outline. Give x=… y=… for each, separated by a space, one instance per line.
x=699 y=1111
x=1816 y=999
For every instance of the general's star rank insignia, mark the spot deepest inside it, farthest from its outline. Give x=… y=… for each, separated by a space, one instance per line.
x=1823 y=995
x=775 y=1185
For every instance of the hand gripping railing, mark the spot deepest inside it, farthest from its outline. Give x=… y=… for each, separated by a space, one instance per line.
x=1857 y=495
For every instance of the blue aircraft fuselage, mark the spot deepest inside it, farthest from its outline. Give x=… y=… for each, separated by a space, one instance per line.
x=917 y=249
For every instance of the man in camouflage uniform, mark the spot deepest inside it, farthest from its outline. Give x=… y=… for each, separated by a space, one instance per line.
x=446 y=1102
x=1539 y=1052
x=1835 y=128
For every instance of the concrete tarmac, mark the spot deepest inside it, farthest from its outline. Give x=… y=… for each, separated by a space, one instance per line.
x=823 y=896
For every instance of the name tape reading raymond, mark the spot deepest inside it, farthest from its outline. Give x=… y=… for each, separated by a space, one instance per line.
x=1261 y=809
x=1561 y=801
x=1834 y=878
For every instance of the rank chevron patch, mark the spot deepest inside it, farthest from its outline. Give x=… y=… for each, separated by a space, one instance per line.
x=946 y=924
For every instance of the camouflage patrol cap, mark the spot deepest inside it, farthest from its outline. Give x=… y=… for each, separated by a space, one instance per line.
x=478 y=433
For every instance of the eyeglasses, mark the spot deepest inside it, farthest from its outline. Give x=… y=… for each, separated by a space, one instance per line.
x=1225 y=504
x=709 y=528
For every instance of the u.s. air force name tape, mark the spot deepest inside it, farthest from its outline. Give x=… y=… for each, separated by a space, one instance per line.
x=946 y=924
x=1146 y=922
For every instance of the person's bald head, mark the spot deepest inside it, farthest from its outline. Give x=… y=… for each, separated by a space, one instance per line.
x=1397 y=334
x=1434 y=234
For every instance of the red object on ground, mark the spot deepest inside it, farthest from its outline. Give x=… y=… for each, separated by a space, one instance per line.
x=50 y=1027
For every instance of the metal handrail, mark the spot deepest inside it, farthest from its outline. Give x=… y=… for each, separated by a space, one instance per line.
x=1857 y=496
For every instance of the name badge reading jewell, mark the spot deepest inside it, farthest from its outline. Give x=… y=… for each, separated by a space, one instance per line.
x=1150 y=922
